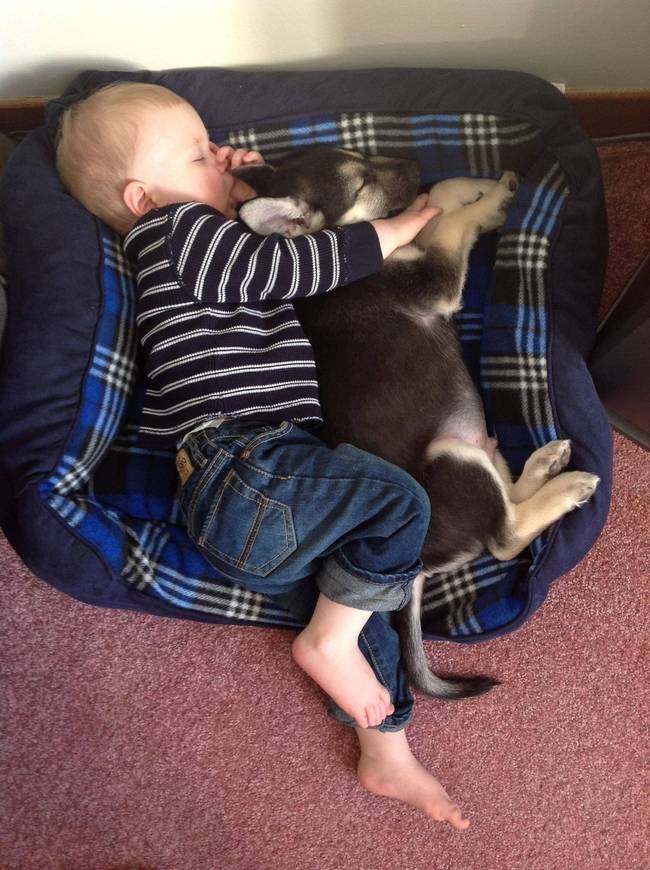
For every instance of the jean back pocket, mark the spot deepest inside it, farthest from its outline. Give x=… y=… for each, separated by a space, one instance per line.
x=246 y=529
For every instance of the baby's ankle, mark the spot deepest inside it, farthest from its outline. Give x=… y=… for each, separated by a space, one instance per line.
x=325 y=641
x=334 y=625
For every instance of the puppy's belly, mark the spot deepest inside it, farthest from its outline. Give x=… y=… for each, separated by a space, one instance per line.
x=469 y=429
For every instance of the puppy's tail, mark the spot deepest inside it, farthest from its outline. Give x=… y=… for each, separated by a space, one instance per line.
x=409 y=628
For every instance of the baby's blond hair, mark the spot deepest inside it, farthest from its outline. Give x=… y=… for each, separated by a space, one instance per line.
x=96 y=143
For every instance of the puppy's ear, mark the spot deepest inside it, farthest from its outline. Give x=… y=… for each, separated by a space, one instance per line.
x=283 y=215
x=258 y=175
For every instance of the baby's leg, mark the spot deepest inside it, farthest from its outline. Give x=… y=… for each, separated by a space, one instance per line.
x=328 y=650
x=387 y=767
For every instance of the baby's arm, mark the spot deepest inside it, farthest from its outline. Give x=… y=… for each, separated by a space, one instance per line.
x=392 y=232
x=219 y=261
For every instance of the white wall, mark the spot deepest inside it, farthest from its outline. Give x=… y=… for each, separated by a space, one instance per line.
x=586 y=43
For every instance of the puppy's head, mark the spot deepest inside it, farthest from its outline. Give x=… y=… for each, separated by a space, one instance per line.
x=324 y=187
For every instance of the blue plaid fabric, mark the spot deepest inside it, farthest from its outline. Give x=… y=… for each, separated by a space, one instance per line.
x=123 y=500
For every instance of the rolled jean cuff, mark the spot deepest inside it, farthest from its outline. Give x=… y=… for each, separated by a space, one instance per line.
x=352 y=590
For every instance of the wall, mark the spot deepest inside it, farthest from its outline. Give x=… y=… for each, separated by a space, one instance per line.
x=600 y=44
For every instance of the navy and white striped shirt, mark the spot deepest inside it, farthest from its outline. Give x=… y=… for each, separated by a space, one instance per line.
x=216 y=321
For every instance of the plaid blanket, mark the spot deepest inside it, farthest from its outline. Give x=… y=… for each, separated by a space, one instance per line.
x=123 y=500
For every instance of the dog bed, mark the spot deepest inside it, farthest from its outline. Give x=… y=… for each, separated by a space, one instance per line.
x=96 y=516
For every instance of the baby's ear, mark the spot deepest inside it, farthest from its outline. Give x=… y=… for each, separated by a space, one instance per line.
x=283 y=215
x=137 y=198
x=257 y=175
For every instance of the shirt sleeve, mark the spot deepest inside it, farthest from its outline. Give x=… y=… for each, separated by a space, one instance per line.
x=219 y=261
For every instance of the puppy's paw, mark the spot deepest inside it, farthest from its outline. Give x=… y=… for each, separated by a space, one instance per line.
x=497 y=201
x=510 y=180
x=580 y=487
x=548 y=461
x=476 y=189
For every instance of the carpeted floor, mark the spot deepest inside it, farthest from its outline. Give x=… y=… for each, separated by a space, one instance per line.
x=131 y=742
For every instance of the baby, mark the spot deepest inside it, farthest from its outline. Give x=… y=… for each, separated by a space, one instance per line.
x=231 y=385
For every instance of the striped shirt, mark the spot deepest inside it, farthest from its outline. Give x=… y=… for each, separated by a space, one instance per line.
x=216 y=320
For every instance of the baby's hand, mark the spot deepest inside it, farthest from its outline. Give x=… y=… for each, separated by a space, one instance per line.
x=233 y=158
x=404 y=227
x=230 y=158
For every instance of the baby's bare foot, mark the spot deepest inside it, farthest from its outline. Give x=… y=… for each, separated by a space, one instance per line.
x=342 y=672
x=393 y=771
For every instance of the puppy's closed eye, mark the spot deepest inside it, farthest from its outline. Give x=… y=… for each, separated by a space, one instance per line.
x=365 y=180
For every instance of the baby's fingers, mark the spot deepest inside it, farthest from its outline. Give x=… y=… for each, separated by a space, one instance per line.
x=420 y=207
x=425 y=214
x=418 y=203
x=253 y=157
x=240 y=157
x=223 y=152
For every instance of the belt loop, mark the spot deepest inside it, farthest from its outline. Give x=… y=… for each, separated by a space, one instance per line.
x=194 y=449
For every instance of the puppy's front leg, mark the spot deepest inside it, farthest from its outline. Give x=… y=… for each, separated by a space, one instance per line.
x=451 y=236
x=453 y=193
x=456 y=230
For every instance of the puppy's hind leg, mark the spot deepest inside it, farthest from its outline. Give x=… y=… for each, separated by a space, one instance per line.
x=541 y=466
x=531 y=517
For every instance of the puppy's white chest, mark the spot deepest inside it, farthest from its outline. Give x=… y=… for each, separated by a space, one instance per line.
x=423 y=319
x=426 y=318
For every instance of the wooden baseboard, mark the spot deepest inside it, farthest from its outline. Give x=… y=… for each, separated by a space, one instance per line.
x=21 y=115
x=601 y=113
x=612 y=113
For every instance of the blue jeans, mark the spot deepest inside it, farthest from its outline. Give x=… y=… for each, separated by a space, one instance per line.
x=273 y=509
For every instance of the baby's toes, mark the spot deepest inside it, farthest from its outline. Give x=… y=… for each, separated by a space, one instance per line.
x=456 y=819
x=387 y=706
x=362 y=718
x=374 y=715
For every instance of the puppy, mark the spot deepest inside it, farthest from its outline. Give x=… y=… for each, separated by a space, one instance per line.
x=391 y=372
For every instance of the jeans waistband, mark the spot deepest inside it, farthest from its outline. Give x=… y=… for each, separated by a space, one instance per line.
x=212 y=423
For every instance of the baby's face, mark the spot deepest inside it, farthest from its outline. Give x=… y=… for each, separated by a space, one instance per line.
x=176 y=160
